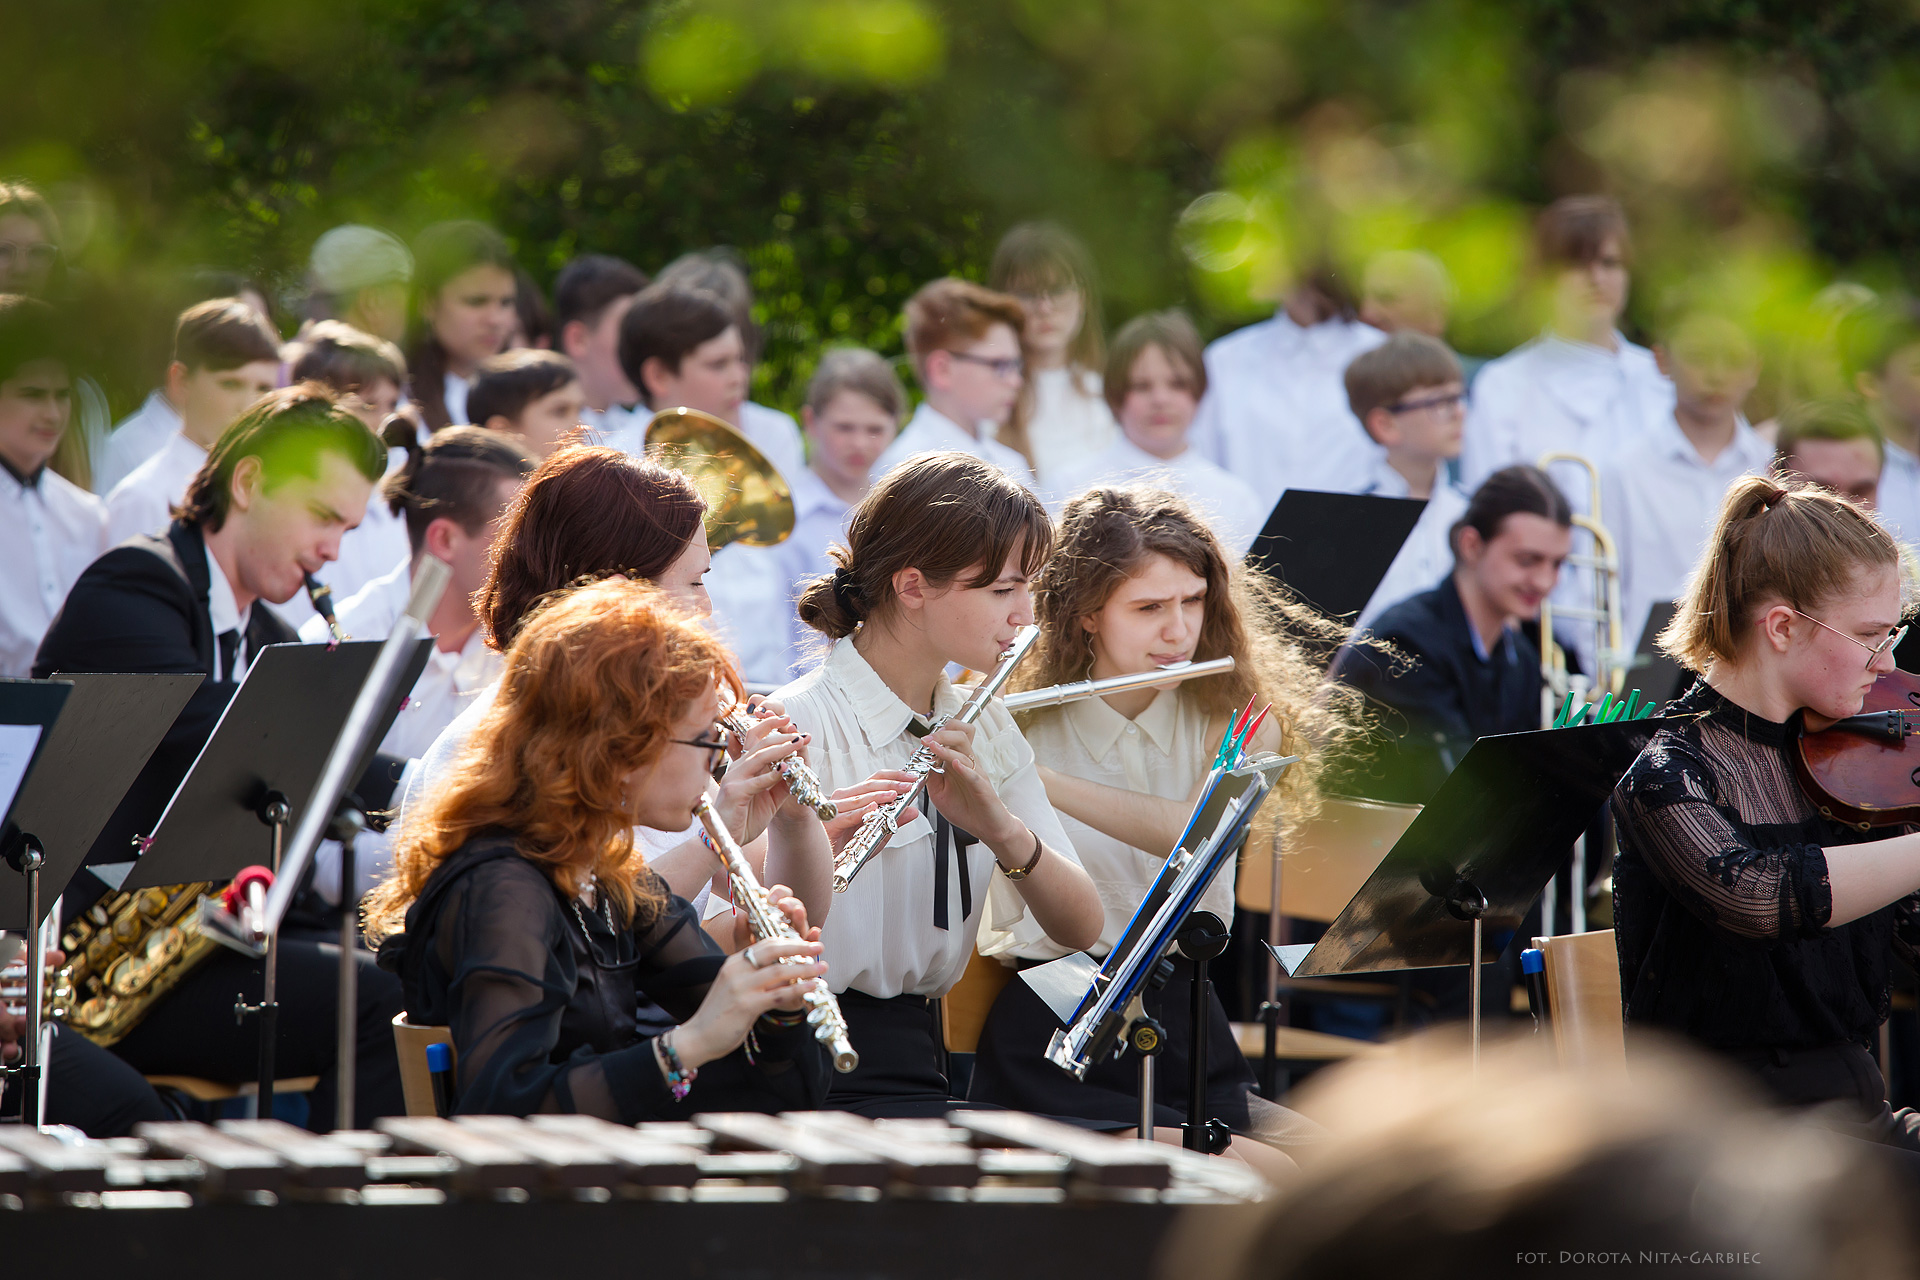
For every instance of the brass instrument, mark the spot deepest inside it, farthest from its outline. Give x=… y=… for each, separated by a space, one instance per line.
x=803 y=784
x=878 y=827
x=747 y=499
x=768 y=922
x=125 y=953
x=322 y=596
x=1611 y=657
x=1057 y=695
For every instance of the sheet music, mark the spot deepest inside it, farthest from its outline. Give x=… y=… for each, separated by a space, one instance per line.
x=17 y=742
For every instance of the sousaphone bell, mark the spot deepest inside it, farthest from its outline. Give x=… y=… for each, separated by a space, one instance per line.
x=747 y=499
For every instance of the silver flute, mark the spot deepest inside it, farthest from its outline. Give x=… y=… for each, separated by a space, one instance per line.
x=1055 y=695
x=769 y=923
x=878 y=827
x=803 y=784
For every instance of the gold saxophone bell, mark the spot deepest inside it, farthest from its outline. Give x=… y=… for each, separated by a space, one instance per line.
x=748 y=500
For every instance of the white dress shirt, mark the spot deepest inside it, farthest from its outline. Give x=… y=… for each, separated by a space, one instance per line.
x=1070 y=422
x=140 y=435
x=1427 y=554
x=617 y=427
x=144 y=501
x=1163 y=752
x=751 y=601
x=774 y=434
x=51 y=530
x=1659 y=499
x=225 y=613
x=1222 y=500
x=930 y=431
x=1276 y=413
x=1899 y=500
x=819 y=521
x=881 y=937
x=453 y=392
x=1553 y=395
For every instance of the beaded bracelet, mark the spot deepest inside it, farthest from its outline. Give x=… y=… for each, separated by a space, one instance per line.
x=712 y=848
x=680 y=1077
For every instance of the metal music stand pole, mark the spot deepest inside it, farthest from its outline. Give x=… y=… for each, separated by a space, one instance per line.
x=347 y=825
x=1146 y=1125
x=32 y=1069
x=1202 y=938
x=1273 y=1010
x=274 y=811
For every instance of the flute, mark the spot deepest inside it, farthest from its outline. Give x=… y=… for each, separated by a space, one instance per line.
x=878 y=827
x=1055 y=695
x=768 y=922
x=803 y=784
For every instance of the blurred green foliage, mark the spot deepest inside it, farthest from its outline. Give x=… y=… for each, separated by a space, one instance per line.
x=852 y=149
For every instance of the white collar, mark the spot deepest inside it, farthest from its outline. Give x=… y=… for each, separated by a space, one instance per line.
x=1127 y=454
x=1099 y=726
x=222 y=611
x=931 y=419
x=878 y=710
x=812 y=494
x=1746 y=447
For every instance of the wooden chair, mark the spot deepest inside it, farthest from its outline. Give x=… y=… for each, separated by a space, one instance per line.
x=410 y=1045
x=963 y=1010
x=1583 y=995
x=210 y=1093
x=1299 y=1046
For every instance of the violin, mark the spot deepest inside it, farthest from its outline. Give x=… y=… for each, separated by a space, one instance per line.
x=1864 y=771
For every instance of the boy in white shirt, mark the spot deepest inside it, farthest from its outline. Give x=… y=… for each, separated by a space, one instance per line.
x=590 y=296
x=1155 y=378
x=1661 y=495
x=965 y=341
x=1409 y=394
x=853 y=409
x=535 y=395
x=225 y=357
x=1881 y=346
x=52 y=528
x=1276 y=413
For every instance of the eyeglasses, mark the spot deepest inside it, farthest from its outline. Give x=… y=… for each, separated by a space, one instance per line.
x=39 y=255
x=716 y=751
x=1442 y=403
x=1006 y=368
x=1874 y=651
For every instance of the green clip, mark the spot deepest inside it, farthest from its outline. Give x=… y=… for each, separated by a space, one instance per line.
x=1600 y=714
x=1633 y=705
x=1560 y=721
x=1647 y=711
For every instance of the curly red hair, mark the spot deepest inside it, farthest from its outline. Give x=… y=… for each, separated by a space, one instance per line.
x=594 y=683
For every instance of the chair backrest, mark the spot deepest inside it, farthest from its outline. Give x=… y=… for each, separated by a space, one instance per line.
x=1327 y=860
x=1583 y=993
x=410 y=1044
x=963 y=1010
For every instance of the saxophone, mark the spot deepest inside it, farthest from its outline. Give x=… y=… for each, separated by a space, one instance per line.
x=127 y=951
x=802 y=783
x=878 y=827
x=769 y=922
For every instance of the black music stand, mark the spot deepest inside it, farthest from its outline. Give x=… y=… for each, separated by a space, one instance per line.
x=1477 y=857
x=105 y=728
x=259 y=767
x=1657 y=676
x=1332 y=549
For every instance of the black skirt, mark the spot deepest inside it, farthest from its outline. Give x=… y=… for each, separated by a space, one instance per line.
x=1011 y=1069
x=902 y=1071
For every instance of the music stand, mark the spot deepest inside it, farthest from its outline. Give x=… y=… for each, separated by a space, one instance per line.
x=260 y=766
x=1657 y=676
x=1333 y=549
x=1477 y=856
x=104 y=729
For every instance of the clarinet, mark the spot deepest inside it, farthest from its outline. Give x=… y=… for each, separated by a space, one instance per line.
x=878 y=827
x=322 y=596
x=803 y=784
x=769 y=922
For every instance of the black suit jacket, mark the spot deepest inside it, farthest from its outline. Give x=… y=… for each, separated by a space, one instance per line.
x=143 y=607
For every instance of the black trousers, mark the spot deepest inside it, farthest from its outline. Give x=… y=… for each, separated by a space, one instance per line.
x=902 y=1071
x=91 y=1089
x=192 y=1032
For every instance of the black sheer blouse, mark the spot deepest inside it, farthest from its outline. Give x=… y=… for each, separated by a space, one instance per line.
x=1721 y=899
x=540 y=994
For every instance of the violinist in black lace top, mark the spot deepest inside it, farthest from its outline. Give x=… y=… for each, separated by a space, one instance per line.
x=1745 y=921
x=520 y=914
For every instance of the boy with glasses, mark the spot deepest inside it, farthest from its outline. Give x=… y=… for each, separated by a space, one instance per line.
x=965 y=341
x=1410 y=396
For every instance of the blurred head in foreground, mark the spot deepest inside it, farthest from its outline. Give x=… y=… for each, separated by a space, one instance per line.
x=1434 y=1172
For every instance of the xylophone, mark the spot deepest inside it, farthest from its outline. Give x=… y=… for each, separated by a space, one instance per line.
x=823 y=1193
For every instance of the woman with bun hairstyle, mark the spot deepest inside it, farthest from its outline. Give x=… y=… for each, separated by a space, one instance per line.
x=1138 y=581
x=1746 y=921
x=522 y=915
x=935 y=570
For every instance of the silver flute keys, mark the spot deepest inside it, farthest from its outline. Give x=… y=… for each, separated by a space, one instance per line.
x=768 y=922
x=878 y=827
x=803 y=784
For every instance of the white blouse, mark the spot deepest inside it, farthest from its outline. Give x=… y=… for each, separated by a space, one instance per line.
x=1163 y=752
x=51 y=530
x=1071 y=422
x=881 y=937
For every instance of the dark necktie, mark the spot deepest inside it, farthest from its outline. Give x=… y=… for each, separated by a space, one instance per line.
x=229 y=654
x=949 y=846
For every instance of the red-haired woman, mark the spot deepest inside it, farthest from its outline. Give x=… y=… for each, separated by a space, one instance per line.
x=521 y=915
